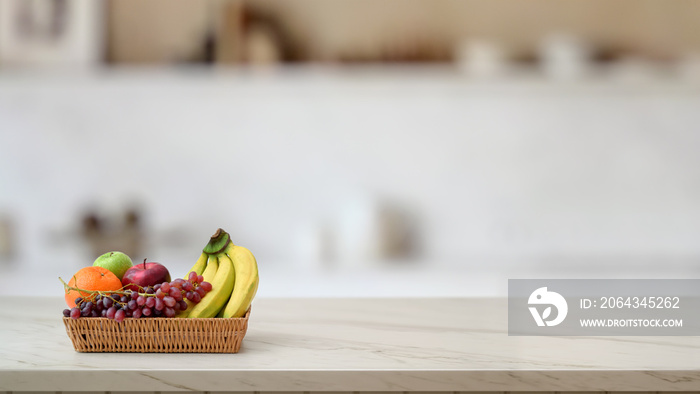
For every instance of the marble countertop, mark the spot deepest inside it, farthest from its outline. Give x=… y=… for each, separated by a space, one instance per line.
x=339 y=344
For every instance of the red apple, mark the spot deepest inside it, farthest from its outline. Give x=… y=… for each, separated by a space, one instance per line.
x=144 y=275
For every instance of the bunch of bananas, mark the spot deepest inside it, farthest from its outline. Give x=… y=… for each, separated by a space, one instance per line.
x=233 y=274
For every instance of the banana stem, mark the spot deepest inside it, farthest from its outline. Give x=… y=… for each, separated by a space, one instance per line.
x=218 y=242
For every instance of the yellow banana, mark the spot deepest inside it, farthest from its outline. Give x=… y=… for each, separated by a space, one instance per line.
x=246 y=280
x=221 y=311
x=222 y=285
x=208 y=271
x=199 y=266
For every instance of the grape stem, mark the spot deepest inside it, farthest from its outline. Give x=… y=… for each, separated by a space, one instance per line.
x=121 y=291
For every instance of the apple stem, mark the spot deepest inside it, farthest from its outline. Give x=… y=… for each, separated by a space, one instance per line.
x=144 y=263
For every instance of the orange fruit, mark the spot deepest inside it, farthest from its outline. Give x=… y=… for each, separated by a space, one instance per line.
x=91 y=278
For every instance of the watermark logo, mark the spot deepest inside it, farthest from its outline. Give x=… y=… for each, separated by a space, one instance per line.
x=543 y=297
x=603 y=307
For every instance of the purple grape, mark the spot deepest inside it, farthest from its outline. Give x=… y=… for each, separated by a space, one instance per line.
x=159 y=293
x=174 y=291
x=156 y=287
x=169 y=302
x=74 y=313
x=165 y=287
x=119 y=316
x=159 y=304
x=146 y=312
x=107 y=302
x=127 y=312
x=66 y=312
x=141 y=301
x=177 y=283
x=111 y=312
x=196 y=298
x=85 y=312
x=190 y=295
x=150 y=291
x=206 y=286
x=200 y=279
x=103 y=313
x=132 y=305
x=187 y=286
x=169 y=312
x=199 y=290
x=78 y=300
x=183 y=305
x=192 y=277
x=150 y=302
x=94 y=313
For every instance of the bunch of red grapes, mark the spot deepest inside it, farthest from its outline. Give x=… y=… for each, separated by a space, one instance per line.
x=162 y=300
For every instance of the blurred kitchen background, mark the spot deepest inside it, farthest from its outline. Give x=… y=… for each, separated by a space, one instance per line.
x=358 y=148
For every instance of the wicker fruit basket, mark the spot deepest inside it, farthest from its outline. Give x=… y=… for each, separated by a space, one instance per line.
x=157 y=335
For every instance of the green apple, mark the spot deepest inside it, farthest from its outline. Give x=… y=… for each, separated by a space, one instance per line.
x=117 y=262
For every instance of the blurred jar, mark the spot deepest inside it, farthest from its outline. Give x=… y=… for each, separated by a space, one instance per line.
x=481 y=58
x=565 y=57
x=359 y=240
x=7 y=247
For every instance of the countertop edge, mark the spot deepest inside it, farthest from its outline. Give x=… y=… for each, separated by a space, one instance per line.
x=350 y=380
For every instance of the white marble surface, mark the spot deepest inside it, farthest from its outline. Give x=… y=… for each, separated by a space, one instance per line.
x=350 y=345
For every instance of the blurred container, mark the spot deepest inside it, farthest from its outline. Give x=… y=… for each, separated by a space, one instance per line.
x=565 y=57
x=64 y=33
x=358 y=232
x=7 y=244
x=481 y=58
x=374 y=231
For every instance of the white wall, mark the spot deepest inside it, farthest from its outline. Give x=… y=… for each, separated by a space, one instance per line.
x=507 y=170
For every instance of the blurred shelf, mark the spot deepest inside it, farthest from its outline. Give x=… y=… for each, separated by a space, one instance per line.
x=353 y=77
